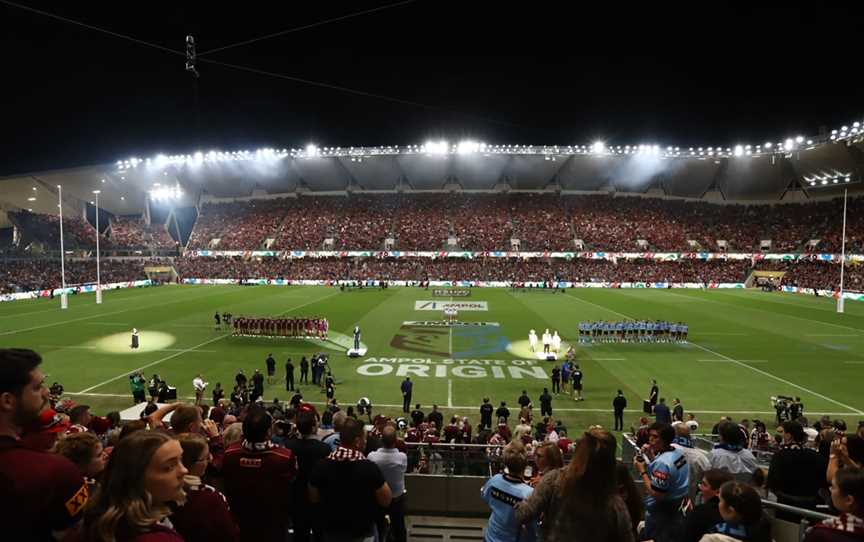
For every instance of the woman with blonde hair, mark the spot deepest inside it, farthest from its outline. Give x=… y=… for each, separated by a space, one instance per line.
x=143 y=478
x=581 y=501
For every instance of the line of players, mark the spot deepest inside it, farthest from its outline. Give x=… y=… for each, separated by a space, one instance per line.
x=301 y=328
x=633 y=331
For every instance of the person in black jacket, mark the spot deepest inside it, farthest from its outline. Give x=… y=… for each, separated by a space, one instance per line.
x=486 y=414
x=797 y=473
x=704 y=517
x=618 y=405
x=503 y=413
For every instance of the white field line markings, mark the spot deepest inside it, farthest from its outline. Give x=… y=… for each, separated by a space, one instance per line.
x=102 y=314
x=124 y=324
x=831 y=335
x=760 y=371
x=855 y=362
x=449 y=393
x=474 y=408
x=609 y=359
x=157 y=362
x=181 y=352
x=721 y=333
x=858 y=331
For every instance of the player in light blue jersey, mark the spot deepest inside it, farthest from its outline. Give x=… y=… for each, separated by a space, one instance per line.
x=619 y=332
x=684 y=330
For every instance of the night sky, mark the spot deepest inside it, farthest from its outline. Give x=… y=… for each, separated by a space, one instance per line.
x=694 y=73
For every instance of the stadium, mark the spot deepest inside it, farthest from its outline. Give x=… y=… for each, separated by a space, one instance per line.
x=722 y=280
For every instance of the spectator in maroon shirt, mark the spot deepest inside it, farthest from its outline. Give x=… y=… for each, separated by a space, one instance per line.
x=86 y=452
x=350 y=486
x=204 y=516
x=43 y=494
x=258 y=477
x=847 y=496
x=143 y=478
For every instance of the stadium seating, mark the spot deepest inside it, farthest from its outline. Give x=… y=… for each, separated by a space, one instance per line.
x=485 y=222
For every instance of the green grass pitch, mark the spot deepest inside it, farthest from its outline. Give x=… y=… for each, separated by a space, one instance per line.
x=744 y=347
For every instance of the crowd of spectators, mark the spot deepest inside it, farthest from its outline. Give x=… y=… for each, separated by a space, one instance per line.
x=483 y=222
x=20 y=275
x=27 y=275
x=45 y=228
x=241 y=470
x=133 y=233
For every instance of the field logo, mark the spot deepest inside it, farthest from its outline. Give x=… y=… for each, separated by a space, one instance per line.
x=422 y=340
x=458 y=305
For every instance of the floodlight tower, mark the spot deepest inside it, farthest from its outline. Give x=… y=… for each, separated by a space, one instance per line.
x=842 y=253
x=64 y=300
x=98 y=277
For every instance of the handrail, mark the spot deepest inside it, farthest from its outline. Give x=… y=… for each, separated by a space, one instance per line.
x=803 y=512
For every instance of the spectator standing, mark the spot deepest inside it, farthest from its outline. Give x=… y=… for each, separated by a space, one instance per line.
x=289 y=375
x=49 y=492
x=705 y=516
x=677 y=410
x=504 y=491
x=697 y=460
x=271 y=368
x=729 y=454
x=199 y=385
x=258 y=476
x=417 y=416
x=407 y=388
x=653 y=395
x=556 y=379
x=545 y=403
x=486 y=414
x=580 y=502
x=797 y=473
x=143 y=478
x=85 y=451
x=434 y=417
x=351 y=486
x=524 y=400
x=547 y=457
x=662 y=413
x=393 y=465
x=218 y=393
x=619 y=403
x=309 y=451
x=503 y=413
x=138 y=383
x=204 y=516
x=257 y=386
x=304 y=370
x=666 y=481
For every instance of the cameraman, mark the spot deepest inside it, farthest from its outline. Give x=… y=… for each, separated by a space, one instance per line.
x=137 y=383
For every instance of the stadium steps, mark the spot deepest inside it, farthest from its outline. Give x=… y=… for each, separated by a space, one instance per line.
x=443 y=529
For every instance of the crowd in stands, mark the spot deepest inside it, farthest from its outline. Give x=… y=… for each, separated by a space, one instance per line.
x=45 y=228
x=133 y=233
x=249 y=470
x=18 y=275
x=27 y=275
x=483 y=222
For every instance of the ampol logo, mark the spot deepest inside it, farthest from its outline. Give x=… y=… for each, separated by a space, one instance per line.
x=458 y=305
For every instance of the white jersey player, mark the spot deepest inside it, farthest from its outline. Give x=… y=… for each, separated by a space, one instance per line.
x=532 y=340
x=556 y=342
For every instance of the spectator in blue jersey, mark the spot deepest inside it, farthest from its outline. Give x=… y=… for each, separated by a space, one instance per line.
x=502 y=492
x=666 y=480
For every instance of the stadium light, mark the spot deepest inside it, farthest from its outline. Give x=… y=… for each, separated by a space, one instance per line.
x=788 y=145
x=166 y=193
x=311 y=150
x=437 y=148
x=739 y=150
x=467 y=147
x=598 y=147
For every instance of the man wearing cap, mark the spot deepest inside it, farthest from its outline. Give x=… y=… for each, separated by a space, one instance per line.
x=44 y=494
